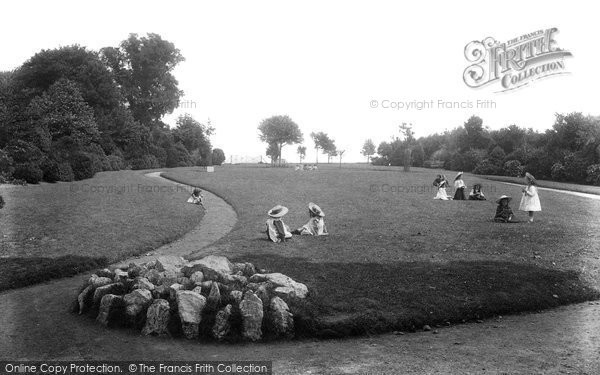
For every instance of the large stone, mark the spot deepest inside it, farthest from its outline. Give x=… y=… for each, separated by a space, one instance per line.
x=197 y=277
x=85 y=298
x=120 y=276
x=214 y=298
x=251 y=309
x=264 y=292
x=173 y=289
x=153 y=275
x=97 y=281
x=157 y=318
x=189 y=307
x=169 y=263
x=143 y=283
x=161 y=292
x=236 y=297
x=237 y=281
x=136 y=304
x=114 y=288
x=279 y=319
x=212 y=266
x=222 y=325
x=105 y=273
x=135 y=270
x=280 y=280
x=111 y=309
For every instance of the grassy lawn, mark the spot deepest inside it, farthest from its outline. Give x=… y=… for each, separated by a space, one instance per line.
x=589 y=189
x=56 y=230
x=396 y=259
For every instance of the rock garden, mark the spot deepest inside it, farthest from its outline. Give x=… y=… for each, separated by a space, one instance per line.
x=209 y=298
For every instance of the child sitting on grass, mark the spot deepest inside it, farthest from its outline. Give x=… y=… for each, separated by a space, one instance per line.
x=196 y=197
x=316 y=223
x=277 y=231
x=476 y=194
x=504 y=213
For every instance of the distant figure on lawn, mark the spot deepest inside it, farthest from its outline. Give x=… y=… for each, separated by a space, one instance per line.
x=441 y=193
x=460 y=187
x=197 y=198
x=504 y=213
x=530 y=201
x=277 y=231
x=316 y=223
x=476 y=194
x=1 y=202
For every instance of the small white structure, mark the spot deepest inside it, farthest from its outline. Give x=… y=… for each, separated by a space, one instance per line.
x=207 y=169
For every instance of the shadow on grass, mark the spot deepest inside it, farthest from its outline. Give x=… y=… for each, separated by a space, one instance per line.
x=21 y=272
x=348 y=299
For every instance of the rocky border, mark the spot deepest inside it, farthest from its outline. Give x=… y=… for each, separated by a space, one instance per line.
x=207 y=298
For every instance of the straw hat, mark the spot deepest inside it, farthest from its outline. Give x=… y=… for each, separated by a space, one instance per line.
x=529 y=176
x=316 y=209
x=504 y=197
x=277 y=211
x=458 y=175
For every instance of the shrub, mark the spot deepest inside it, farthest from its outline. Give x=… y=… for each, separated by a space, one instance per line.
x=487 y=167
x=218 y=156
x=575 y=167
x=116 y=162
x=65 y=172
x=145 y=162
x=6 y=164
x=1 y=202
x=513 y=168
x=85 y=165
x=593 y=174
x=558 y=172
x=29 y=172
x=51 y=171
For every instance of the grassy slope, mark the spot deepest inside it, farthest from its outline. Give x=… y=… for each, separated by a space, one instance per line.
x=399 y=260
x=54 y=230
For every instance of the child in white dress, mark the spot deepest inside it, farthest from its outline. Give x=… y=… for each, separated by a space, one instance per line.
x=196 y=197
x=316 y=223
x=441 y=193
x=277 y=230
x=530 y=201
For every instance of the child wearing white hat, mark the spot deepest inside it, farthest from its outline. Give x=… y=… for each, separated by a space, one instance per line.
x=316 y=223
x=504 y=213
x=277 y=230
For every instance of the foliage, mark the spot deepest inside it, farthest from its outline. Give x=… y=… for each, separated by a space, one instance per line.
x=29 y=172
x=145 y=162
x=593 y=174
x=279 y=131
x=218 y=156
x=301 y=150
x=368 y=149
x=513 y=168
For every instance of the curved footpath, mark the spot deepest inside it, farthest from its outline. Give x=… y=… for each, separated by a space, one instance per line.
x=35 y=325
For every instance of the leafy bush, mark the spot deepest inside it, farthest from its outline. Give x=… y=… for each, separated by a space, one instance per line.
x=558 y=172
x=575 y=167
x=65 y=172
x=145 y=162
x=593 y=174
x=29 y=172
x=178 y=156
x=539 y=163
x=513 y=168
x=85 y=165
x=51 y=171
x=116 y=162
x=487 y=167
x=6 y=164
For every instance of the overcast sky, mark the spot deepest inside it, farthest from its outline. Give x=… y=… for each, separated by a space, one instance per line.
x=322 y=63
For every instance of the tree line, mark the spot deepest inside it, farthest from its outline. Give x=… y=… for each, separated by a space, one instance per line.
x=70 y=112
x=569 y=151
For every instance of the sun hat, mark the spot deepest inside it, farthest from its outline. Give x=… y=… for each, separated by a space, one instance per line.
x=458 y=175
x=316 y=209
x=504 y=197
x=277 y=211
x=529 y=176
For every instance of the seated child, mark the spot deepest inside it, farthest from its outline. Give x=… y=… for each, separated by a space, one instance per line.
x=277 y=231
x=316 y=223
x=476 y=194
x=196 y=197
x=504 y=213
x=441 y=193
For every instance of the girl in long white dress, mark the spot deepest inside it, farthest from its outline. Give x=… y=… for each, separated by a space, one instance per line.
x=316 y=223
x=530 y=201
x=441 y=193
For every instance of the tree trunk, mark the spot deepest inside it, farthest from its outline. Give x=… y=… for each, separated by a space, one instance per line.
x=407 y=161
x=317 y=149
x=280 y=146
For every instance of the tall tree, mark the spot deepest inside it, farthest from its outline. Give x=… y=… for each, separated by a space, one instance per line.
x=143 y=68
x=279 y=131
x=301 y=152
x=340 y=154
x=368 y=149
x=322 y=142
x=273 y=152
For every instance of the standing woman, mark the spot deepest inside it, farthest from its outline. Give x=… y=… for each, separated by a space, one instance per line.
x=530 y=201
x=460 y=187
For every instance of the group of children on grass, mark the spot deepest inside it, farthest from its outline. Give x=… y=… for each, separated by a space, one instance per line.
x=277 y=230
x=530 y=201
